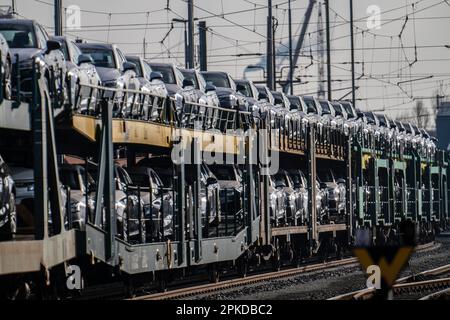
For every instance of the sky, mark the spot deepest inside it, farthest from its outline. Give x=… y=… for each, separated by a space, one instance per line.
x=394 y=68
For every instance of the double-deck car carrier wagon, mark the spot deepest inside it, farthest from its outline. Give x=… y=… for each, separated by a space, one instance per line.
x=208 y=227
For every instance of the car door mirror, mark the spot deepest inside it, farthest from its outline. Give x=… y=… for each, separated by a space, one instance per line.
x=128 y=66
x=84 y=58
x=323 y=185
x=156 y=76
x=188 y=83
x=52 y=45
x=340 y=181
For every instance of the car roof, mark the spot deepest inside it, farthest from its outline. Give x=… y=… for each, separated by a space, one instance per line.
x=59 y=38
x=161 y=64
x=192 y=71
x=95 y=45
x=132 y=57
x=17 y=21
x=215 y=72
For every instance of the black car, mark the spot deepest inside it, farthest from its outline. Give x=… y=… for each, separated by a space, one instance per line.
x=226 y=89
x=80 y=70
x=349 y=109
x=297 y=103
x=199 y=85
x=259 y=107
x=6 y=67
x=229 y=178
x=158 y=202
x=175 y=82
x=111 y=65
x=28 y=40
x=8 y=217
x=264 y=94
x=209 y=187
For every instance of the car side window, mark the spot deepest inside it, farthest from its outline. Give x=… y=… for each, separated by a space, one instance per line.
x=179 y=75
x=147 y=70
x=121 y=58
x=156 y=181
x=40 y=36
x=74 y=51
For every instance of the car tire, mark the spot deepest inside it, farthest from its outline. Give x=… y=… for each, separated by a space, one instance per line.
x=10 y=228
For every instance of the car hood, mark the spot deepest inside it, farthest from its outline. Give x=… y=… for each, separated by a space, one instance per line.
x=331 y=185
x=77 y=196
x=108 y=74
x=224 y=92
x=25 y=53
x=172 y=89
x=19 y=173
x=228 y=184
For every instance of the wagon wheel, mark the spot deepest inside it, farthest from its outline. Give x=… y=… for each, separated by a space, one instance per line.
x=213 y=273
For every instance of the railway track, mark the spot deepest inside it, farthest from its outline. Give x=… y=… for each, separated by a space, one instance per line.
x=234 y=283
x=228 y=284
x=411 y=285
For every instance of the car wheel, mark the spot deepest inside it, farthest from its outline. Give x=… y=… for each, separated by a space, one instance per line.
x=7 y=90
x=10 y=227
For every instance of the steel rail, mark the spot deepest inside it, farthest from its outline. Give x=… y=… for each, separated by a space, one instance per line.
x=234 y=283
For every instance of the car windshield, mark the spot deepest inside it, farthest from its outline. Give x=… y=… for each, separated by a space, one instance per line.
x=138 y=69
x=217 y=79
x=18 y=35
x=246 y=89
x=325 y=175
x=370 y=118
x=140 y=179
x=338 y=108
x=311 y=105
x=167 y=73
x=281 y=177
x=295 y=102
x=69 y=178
x=382 y=120
x=103 y=58
x=191 y=76
x=325 y=107
x=223 y=172
x=347 y=108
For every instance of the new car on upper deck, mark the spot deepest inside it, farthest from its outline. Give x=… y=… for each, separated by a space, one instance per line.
x=80 y=72
x=27 y=41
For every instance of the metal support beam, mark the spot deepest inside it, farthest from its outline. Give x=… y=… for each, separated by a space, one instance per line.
x=180 y=185
x=270 y=53
x=40 y=158
x=196 y=163
x=56 y=204
x=327 y=15
x=191 y=33
x=58 y=17
x=291 y=62
x=203 y=46
x=349 y=180
x=311 y=147
x=352 y=47
x=105 y=181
